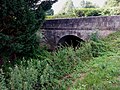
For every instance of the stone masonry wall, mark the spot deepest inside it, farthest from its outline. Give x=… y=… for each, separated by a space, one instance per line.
x=85 y=23
x=54 y=30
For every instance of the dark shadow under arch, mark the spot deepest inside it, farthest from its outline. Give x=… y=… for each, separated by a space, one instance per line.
x=70 y=40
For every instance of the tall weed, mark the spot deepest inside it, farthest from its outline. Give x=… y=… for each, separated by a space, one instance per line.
x=98 y=46
x=2 y=81
x=22 y=77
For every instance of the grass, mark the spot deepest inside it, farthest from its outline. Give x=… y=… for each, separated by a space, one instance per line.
x=103 y=72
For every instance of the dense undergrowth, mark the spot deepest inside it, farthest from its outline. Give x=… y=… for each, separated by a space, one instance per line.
x=102 y=72
x=93 y=66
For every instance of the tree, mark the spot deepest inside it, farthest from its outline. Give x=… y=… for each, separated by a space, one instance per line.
x=82 y=4
x=112 y=3
x=86 y=4
x=50 y=12
x=19 y=21
x=68 y=8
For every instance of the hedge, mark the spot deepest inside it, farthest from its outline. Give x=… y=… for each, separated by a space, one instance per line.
x=110 y=11
x=87 y=12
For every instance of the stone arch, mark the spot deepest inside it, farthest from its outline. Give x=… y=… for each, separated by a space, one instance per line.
x=69 y=40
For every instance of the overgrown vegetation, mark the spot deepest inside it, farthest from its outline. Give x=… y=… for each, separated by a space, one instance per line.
x=95 y=65
x=102 y=72
x=84 y=12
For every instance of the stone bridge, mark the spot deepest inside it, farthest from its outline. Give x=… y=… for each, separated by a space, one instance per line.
x=74 y=30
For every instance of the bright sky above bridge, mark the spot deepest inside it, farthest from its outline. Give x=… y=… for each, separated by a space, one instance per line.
x=58 y=6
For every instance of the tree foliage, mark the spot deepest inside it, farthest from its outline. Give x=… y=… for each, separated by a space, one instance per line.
x=112 y=3
x=19 y=21
x=68 y=8
x=87 y=4
x=85 y=12
x=50 y=12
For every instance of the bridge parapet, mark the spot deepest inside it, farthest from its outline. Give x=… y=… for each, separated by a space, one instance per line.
x=84 y=23
x=54 y=30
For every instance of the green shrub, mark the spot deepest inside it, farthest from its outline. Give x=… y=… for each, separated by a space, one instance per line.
x=87 y=12
x=111 y=11
x=61 y=16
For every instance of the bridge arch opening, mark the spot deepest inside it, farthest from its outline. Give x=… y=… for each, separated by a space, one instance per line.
x=70 y=40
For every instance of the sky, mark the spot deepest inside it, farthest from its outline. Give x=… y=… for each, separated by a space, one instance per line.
x=58 y=5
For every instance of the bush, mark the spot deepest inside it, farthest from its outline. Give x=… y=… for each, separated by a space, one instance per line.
x=87 y=12
x=61 y=16
x=111 y=11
